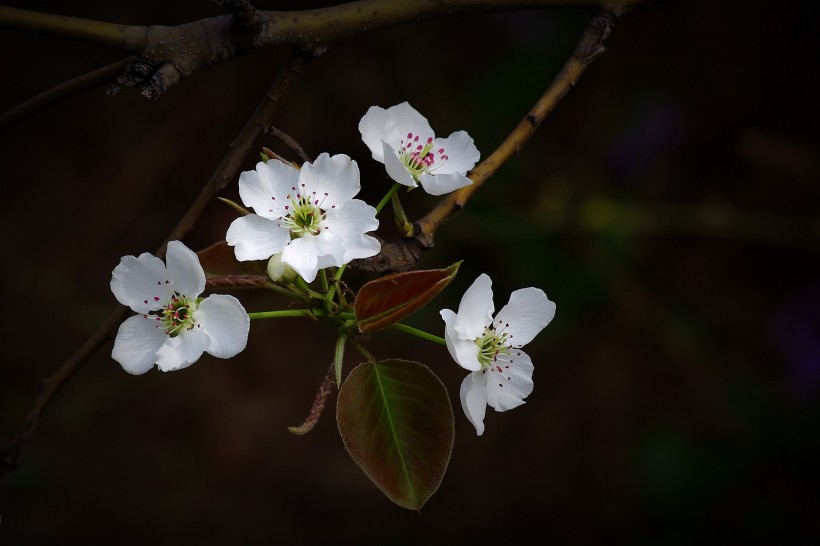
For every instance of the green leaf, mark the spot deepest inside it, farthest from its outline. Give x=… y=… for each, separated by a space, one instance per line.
x=397 y=423
x=223 y=270
x=389 y=299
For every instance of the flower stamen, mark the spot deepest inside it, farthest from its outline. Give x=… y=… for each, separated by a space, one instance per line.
x=305 y=213
x=492 y=344
x=419 y=158
x=178 y=315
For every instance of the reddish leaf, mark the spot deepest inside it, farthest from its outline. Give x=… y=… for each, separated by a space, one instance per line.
x=397 y=423
x=223 y=270
x=389 y=299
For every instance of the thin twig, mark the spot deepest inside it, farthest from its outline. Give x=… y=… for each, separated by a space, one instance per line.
x=588 y=48
x=229 y=167
x=290 y=142
x=65 y=90
x=10 y=455
x=319 y=401
x=227 y=170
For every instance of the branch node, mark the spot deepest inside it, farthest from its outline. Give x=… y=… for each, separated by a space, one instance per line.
x=401 y=255
x=592 y=42
x=246 y=22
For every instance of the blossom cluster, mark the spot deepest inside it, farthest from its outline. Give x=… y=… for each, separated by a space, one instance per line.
x=305 y=220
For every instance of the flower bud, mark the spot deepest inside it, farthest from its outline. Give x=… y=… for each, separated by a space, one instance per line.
x=280 y=271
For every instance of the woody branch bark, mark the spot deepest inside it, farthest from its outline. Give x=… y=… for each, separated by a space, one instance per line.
x=404 y=253
x=168 y=54
x=65 y=90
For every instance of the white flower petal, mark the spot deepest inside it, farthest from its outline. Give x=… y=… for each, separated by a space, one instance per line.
x=362 y=246
x=407 y=119
x=392 y=126
x=475 y=312
x=187 y=276
x=462 y=155
x=226 y=323
x=509 y=381
x=143 y=283
x=265 y=190
x=337 y=176
x=396 y=169
x=527 y=313
x=474 y=400
x=328 y=260
x=440 y=184
x=330 y=249
x=463 y=351
x=350 y=222
x=302 y=254
x=374 y=126
x=137 y=342
x=449 y=318
x=256 y=238
x=183 y=350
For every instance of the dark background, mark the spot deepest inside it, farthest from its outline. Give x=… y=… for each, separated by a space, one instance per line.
x=669 y=206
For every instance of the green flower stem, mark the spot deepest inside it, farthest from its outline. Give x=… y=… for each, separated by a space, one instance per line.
x=418 y=333
x=298 y=294
x=327 y=294
x=287 y=290
x=348 y=317
x=405 y=227
x=337 y=277
x=323 y=279
x=286 y=313
x=387 y=197
x=342 y=299
x=302 y=285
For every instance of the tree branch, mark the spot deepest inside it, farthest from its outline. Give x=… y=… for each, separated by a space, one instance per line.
x=227 y=170
x=588 y=48
x=404 y=253
x=65 y=90
x=123 y=37
x=168 y=54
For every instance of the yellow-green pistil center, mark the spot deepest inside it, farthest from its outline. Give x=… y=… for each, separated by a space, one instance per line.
x=178 y=315
x=304 y=213
x=492 y=344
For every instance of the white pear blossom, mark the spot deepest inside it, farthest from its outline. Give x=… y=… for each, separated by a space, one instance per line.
x=402 y=139
x=308 y=215
x=174 y=327
x=501 y=373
